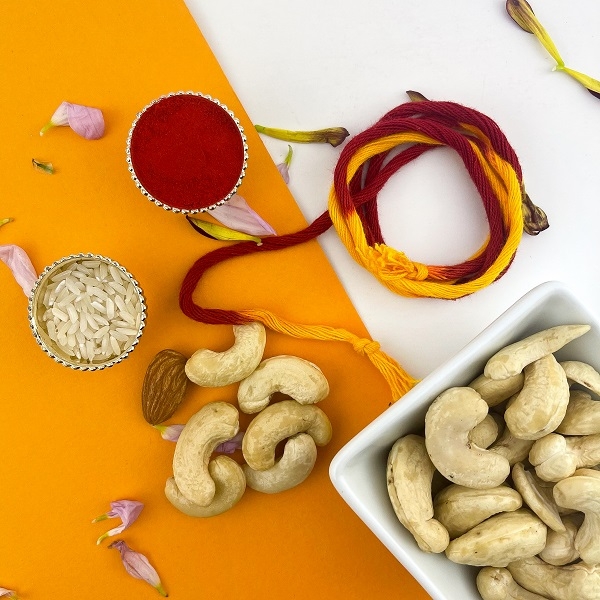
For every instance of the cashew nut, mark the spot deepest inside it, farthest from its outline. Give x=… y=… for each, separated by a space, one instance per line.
x=541 y=405
x=459 y=508
x=450 y=418
x=538 y=496
x=216 y=369
x=496 y=391
x=582 y=492
x=560 y=546
x=409 y=475
x=513 y=358
x=230 y=485
x=513 y=449
x=583 y=374
x=499 y=540
x=487 y=432
x=214 y=423
x=495 y=583
x=296 y=464
x=573 y=582
x=277 y=422
x=556 y=457
x=290 y=375
x=582 y=416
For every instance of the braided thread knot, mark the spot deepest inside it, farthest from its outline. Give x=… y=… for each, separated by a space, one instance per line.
x=392 y=264
x=364 y=346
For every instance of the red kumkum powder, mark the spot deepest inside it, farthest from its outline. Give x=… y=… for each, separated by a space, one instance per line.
x=187 y=152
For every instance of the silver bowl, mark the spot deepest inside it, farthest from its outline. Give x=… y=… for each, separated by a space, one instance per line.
x=37 y=309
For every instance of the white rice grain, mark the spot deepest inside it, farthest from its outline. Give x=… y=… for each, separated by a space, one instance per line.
x=72 y=313
x=91 y=311
x=115 y=346
x=110 y=309
x=116 y=274
x=60 y=314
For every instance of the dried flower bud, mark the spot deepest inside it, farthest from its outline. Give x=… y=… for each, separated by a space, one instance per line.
x=534 y=218
x=522 y=14
x=416 y=96
x=592 y=85
x=333 y=135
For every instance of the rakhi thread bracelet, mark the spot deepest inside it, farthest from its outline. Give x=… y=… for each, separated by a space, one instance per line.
x=365 y=165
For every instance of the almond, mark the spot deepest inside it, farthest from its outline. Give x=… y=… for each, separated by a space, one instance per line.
x=164 y=386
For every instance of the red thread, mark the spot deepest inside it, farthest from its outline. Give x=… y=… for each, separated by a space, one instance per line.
x=443 y=121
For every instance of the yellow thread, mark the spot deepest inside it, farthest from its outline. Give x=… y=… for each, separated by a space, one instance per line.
x=396 y=270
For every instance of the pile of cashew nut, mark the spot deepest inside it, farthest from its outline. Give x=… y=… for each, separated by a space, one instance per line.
x=518 y=449
x=203 y=486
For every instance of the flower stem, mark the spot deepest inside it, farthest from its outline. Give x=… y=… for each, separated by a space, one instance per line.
x=288 y=157
x=5 y=221
x=45 y=128
x=100 y=518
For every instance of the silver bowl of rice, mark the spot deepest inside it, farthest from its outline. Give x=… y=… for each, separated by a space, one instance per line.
x=87 y=312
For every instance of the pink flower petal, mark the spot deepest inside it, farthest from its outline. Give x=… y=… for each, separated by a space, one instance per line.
x=86 y=121
x=138 y=566
x=8 y=593
x=127 y=510
x=236 y=214
x=230 y=446
x=284 y=169
x=61 y=115
x=18 y=262
x=170 y=433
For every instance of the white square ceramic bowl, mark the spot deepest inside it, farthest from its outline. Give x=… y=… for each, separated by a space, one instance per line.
x=358 y=471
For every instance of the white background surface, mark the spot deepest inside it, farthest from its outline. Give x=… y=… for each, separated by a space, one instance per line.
x=316 y=63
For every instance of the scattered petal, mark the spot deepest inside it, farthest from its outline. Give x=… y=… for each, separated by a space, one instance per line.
x=237 y=215
x=11 y=594
x=230 y=446
x=522 y=14
x=170 y=433
x=88 y=122
x=126 y=510
x=284 y=167
x=592 y=85
x=332 y=135
x=44 y=167
x=138 y=566
x=219 y=232
x=18 y=262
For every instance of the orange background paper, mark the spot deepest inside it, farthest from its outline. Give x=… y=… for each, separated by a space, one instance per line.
x=72 y=441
